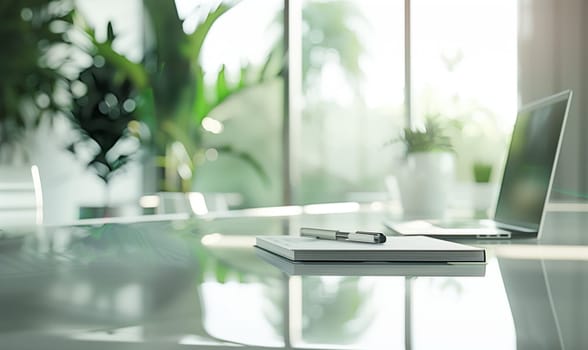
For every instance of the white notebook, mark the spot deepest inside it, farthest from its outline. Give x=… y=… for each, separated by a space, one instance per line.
x=395 y=249
x=370 y=268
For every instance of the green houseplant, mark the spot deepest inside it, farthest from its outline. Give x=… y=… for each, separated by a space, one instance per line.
x=31 y=69
x=105 y=117
x=426 y=176
x=482 y=172
x=181 y=115
x=483 y=190
x=432 y=138
x=177 y=100
x=171 y=78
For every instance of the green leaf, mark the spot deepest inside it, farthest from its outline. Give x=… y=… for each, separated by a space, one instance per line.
x=26 y=67
x=110 y=36
x=225 y=91
x=170 y=67
x=221 y=273
x=247 y=158
x=432 y=138
x=272 y=66
x=222 y=89
x=146 y=108
x=196 y=39
x=200 y=106
x=135 y=71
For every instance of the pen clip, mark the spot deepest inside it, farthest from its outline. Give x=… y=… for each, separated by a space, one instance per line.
x=366 y=236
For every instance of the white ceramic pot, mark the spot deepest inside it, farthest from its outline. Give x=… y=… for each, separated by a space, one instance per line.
x=484 y=196
x=425 y=183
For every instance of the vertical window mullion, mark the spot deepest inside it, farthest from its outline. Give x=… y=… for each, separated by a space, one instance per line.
x=407 y=65
x=292 y=76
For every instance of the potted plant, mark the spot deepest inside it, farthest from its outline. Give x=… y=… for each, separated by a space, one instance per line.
x=108 y=133
x=483 y=191
x=428 y=170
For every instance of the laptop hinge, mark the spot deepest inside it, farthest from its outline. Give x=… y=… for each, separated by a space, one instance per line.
x=516 y=228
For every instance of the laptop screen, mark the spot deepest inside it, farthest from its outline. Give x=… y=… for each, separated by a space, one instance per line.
x=530 y=162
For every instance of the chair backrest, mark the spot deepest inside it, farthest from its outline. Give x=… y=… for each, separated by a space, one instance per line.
x=21 y=197
x=194 y=203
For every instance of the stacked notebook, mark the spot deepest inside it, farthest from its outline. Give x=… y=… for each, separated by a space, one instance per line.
x=414 y=249
x=370 y=268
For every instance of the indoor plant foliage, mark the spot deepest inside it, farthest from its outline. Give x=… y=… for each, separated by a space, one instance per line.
x=183 y=100
x=183 y=97
x=432 y=138
x=105 y=104
x=33 y=84
x=483 y=190
x=104 y=114
x=171 y=83
x=427 y=174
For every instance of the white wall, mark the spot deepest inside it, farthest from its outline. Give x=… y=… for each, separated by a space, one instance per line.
x=553 y=56
x=66 y=182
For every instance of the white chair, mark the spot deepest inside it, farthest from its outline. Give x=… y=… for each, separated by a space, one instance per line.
x=191 y=203
x=21 y=199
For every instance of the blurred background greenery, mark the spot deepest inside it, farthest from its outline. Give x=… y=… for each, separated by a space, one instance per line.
x=188 y=95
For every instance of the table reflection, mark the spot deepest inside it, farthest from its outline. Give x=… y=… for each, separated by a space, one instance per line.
x=531 y=304
x=199 y=282
x=567 y=283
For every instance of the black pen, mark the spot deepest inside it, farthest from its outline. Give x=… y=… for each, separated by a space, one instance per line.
x=357 y=236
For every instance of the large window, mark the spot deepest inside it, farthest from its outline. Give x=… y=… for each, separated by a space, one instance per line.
x=353 y=82
x=353 y=68
x=462 y=68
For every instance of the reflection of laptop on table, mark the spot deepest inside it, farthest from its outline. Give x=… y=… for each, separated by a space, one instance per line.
x=530 y=298
x=526 y=181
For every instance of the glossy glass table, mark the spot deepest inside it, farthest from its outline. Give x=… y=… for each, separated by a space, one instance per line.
x=198 y=283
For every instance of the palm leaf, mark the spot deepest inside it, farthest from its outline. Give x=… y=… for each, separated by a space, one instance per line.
x=247 y=158
x=248 y=77
x=200 y=106
x=135 y=71
x=196 y=39
x=171 y=73
x=222 y=88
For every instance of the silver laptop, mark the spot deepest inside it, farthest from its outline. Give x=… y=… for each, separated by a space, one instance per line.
x=526 y=181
